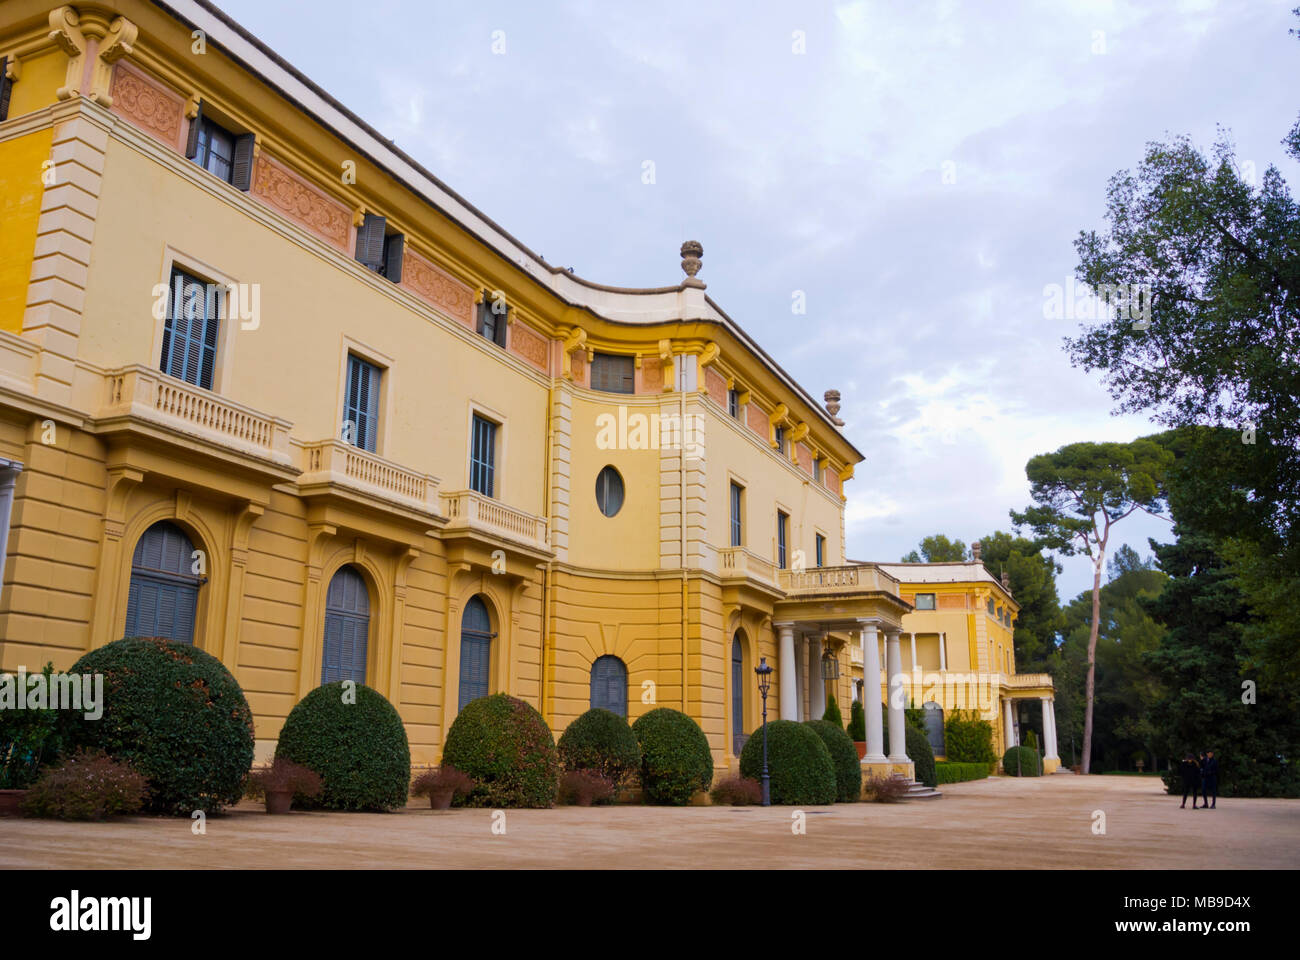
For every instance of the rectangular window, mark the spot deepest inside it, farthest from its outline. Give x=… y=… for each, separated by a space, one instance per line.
x=817 y=469
x=189 y=346
x=220 y=152
x=492 y=317
x=782 y=526
x=780 y=439
x=737 y=516
x=733 y=404
x=483 y=456
x=925 y=601
x=361 y=407
x=821 y=550
x=379 y=250
x=613 y=374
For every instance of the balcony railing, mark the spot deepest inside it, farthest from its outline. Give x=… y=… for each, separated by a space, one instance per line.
x=149 y=394
x=850 y=578
x=468 y=509
x=1028 y=679
x=333 y=461
x=739 y=562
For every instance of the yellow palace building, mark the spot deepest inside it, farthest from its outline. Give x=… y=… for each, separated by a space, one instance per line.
x=270 y=387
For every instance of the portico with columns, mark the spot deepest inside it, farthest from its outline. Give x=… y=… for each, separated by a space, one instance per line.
x=833 y=614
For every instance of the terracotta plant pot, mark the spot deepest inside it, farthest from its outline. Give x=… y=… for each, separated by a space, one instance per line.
x=279 y=801
x=862 y=748
x=441 y=799
x=10 y=801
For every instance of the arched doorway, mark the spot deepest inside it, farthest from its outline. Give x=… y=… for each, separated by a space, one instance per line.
x=933 y=714
x=609 y=685
x=164 y=594
x=738 y=735
x=475 y=651
x=347 y=627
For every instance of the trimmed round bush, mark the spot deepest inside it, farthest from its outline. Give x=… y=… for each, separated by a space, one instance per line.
x=675 y=756
x=353 y=737
x=844 y=759
x=1020 y=762
x=798 y=763
x=176 y=715
x=603 y=742
x=921 y=754
x=505 y=746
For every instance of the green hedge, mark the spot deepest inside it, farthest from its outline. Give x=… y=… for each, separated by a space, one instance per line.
x=1020 y=762
x=176 y=715
x=354 y=739
x=844 y=759
x=968 y=738
x=798 y=762
x=601 y=741
x=507 y=748
x=959 y=772
x=675 y=756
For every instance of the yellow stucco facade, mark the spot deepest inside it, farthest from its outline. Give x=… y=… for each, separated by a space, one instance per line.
x=449 y=526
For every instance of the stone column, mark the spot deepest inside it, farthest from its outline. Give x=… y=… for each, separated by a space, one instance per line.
x=1049 y=728
x=913 y=638
x=816 y=684
x=897 y=722
x=785 y=671
x=871 y=695
x=1008 y=726
x=800 y=668
x=943 y=651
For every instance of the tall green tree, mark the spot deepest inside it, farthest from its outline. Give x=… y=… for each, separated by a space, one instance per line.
x=1211 y=698
x=938 y=549
x=1080 y=492
x=1032 y=573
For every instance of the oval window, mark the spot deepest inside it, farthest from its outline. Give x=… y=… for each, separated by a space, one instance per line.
x=609 y=491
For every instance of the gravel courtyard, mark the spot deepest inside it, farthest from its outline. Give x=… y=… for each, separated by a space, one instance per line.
x=999 y=823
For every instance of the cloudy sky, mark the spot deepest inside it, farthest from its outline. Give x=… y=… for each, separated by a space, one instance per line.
x=918 y=169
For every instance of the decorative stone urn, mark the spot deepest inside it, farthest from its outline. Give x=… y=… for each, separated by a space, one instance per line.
x=692 y=250
x=832 y=398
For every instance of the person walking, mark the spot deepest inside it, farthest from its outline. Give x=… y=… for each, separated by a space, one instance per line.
x=1191 y=773
x=1210 y=780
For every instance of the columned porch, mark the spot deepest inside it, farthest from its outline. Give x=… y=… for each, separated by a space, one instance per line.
x=833 y=612
x=1030 y=686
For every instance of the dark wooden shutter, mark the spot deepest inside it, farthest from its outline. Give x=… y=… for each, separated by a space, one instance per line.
x=6 y=88
x=475 y=652
x=609 y=685
x=347 y=628
x=370 y=241
x=502 y=319
x=393 y=257
x=737 y=697
x=192 y=142
x=163 y=595
x=242 y=175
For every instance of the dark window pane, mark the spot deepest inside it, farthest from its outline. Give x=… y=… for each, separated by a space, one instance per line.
x=613 y=374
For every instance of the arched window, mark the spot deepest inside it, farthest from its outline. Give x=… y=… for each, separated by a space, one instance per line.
x=737 y=695
x=164 y=592
x=609 y=685
x=933 y=714
x=475 y=651
x=347 y=627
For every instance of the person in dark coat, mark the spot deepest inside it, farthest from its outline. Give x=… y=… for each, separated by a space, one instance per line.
x=1191 y=773
x=1210 y=780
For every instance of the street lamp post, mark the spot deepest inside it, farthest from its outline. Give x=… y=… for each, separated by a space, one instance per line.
x=764 y=672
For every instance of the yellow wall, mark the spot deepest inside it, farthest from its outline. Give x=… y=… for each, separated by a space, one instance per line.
x=21 y=187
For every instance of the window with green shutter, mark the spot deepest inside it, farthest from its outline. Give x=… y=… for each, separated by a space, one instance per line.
x=482 y=456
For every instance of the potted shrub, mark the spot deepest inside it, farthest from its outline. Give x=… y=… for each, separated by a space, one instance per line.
x=280 y=781
x=858 y=728
x=441 y=785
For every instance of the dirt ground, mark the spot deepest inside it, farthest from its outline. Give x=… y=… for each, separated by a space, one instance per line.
x=997 y=823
